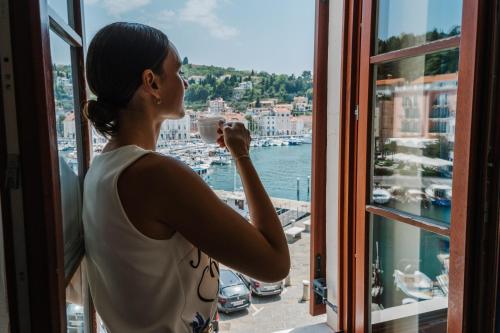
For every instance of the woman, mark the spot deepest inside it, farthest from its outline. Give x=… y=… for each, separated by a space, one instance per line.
x=154 y=231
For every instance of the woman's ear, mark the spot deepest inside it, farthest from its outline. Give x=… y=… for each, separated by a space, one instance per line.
x=149 y=81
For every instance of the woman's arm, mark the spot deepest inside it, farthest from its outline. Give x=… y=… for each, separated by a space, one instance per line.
x=170 y=193
x=175 y=195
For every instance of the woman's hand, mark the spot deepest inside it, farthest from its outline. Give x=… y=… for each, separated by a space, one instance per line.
x=235 y=137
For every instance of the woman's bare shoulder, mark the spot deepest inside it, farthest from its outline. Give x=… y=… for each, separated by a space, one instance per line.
x=154 y=170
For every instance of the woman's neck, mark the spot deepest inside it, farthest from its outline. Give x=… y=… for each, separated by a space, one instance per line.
x=137 y=129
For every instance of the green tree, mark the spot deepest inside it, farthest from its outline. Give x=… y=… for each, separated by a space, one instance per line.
x=185 y=61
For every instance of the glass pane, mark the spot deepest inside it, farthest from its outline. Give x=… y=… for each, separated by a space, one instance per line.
x=409 y=276
x=68 y=159
x=60 y=7
x=405 y=23
x=414 y=134
x=75 y=316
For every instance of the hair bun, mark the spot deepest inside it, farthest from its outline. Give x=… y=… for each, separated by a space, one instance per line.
x=104 y=117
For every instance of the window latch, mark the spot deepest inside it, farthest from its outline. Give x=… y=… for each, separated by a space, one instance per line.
x=321 y=294
x=320 y=289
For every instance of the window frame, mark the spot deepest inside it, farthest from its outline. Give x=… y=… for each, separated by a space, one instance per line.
x=317 y=257
x=353 y=165
x=36 y=281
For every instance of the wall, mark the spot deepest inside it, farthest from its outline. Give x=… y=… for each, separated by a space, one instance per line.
x=333 y=140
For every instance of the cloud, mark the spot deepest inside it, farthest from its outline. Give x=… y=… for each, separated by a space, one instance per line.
x=163 y=20
x=118 y=7
x=203 y=13
x=165 y=16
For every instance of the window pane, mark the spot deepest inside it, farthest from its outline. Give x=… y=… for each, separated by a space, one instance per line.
x=414 y=134
x=409 y=275
x=75 y=316
x=60 y=7
x=68 y=159
x=405 y=23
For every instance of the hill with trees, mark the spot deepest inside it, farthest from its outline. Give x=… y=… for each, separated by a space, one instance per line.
x=209 y=82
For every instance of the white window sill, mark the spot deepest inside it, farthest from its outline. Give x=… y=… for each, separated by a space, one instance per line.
x=407 y=310
x=316 y=328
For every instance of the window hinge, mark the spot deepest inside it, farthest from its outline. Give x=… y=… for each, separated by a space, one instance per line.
x=12 y=172
x=356 y=112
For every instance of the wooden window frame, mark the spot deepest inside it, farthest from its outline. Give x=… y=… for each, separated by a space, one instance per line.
x=354 y=281
x=46 y=283
x=317 y=257
x=37 y=268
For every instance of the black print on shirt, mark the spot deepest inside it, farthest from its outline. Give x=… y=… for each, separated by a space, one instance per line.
x=210 y=266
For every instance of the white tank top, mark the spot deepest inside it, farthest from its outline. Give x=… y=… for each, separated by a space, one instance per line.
x=139 y=284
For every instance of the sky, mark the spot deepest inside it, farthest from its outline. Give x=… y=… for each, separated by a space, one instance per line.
x=418 y=17
x=276 y=36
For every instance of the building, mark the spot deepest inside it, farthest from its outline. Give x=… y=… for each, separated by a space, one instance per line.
x=217 y=105
x=193 y=121
x=266 y=123
x=283 y=116
x=175 y=129
x=196 y=78
x=307 y=123
x=239 y=117
x=69 y=130
x=301 y=104
x=242 y=88
x=296 y=126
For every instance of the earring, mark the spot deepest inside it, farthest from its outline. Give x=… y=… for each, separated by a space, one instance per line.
x=158 y=101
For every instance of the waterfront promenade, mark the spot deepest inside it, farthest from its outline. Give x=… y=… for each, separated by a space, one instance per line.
x=294 y=210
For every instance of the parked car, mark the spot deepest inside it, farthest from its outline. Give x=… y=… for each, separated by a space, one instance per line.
x=233 y=293
x=262 y=288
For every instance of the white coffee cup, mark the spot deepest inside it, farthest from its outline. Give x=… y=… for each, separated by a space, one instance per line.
x=208 y=126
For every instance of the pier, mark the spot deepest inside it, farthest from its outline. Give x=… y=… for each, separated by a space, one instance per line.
x=293 y=210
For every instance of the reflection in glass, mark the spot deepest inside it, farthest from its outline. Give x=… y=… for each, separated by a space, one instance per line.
x=409 y=266
x=414 y=134
x=60 y=7
x=68 y=159
x=406 y=23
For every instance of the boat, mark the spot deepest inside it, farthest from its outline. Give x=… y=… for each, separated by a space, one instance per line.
x=266 y=143
x=439 y=194
x=381 y=196
x=201 y=170
x=220 y=160
x=276 y=142
x=416 y=285
x=293 y=141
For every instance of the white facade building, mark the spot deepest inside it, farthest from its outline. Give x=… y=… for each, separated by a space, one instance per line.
x=267 y=123
x=297 y=126
x=241 y=89
x=301 y=104
x=217 y=105
x=283 y=125
x=177 y=129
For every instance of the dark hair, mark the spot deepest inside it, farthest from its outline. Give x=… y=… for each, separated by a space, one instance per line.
x=117 y=56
